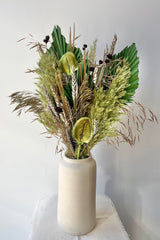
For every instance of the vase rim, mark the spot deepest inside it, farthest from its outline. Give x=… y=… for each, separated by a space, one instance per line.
x=75 y=160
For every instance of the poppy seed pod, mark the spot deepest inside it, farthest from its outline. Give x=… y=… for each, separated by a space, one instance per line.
x=46 y=40
x=91 y=69
x=85 y=45
x=107 y=61
x=110 y=56
x=100 y=61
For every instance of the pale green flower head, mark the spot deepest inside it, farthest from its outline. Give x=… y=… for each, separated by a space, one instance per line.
x=67 y=61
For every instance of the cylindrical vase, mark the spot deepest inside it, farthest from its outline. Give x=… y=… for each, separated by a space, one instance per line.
x=77 y=195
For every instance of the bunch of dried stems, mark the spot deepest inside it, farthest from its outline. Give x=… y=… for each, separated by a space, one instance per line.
x=80 y=101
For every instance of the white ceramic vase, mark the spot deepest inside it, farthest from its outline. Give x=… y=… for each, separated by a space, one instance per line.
x=77 y=195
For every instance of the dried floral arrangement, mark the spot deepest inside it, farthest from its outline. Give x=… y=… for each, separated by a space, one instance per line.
x=82 y=102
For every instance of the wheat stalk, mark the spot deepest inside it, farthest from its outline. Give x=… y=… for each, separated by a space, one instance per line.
x=50 y=104
x=113 y=45
x=95 y=75
x=74 y=86
x=70 y=113
x=101 y=74
x=95 y=126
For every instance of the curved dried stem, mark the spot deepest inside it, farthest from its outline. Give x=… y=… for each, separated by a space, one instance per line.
x=132 y=125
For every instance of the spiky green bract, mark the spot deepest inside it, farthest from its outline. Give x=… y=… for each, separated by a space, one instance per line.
x=130 y=53
x=59 y=46
x=107 y=105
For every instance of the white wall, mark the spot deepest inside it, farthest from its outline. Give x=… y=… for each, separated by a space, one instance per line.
x=28 y=164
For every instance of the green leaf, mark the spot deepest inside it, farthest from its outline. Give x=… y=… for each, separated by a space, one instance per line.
x=68 y=94
x=59 y=42
x=130 y=53
x=80 y=71
x=78 y=54
x=59 y=45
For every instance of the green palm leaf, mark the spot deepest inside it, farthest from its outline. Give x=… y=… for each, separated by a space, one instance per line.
x=68 y=92
x=60 y=47
x=80 y=71
x=130 y=53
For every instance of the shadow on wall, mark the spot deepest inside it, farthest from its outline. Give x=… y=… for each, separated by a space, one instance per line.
x=104 y=155
x=130 y=209
x=130 y=177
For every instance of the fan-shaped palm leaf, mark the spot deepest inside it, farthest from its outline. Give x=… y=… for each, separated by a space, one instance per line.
x=60 y=47
x=130 y=53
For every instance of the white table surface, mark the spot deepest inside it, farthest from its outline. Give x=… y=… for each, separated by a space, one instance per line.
x=108 y=224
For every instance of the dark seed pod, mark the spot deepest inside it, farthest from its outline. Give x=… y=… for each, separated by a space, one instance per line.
x=100 y=61
x=83 y=48
x=110 y=56
x=91 y=69
x=58 y=109
x=46 y=39
x=107 y=61
x=85 y=45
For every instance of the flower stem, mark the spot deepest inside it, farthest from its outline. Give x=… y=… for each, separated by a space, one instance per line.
x=79 y=149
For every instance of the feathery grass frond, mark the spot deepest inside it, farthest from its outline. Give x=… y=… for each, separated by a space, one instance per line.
x=92 y=52
x=27 y=101
x=110 y=72
x=132 y=124
x=46 y=119
x=107 y=105
x=47 y=70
